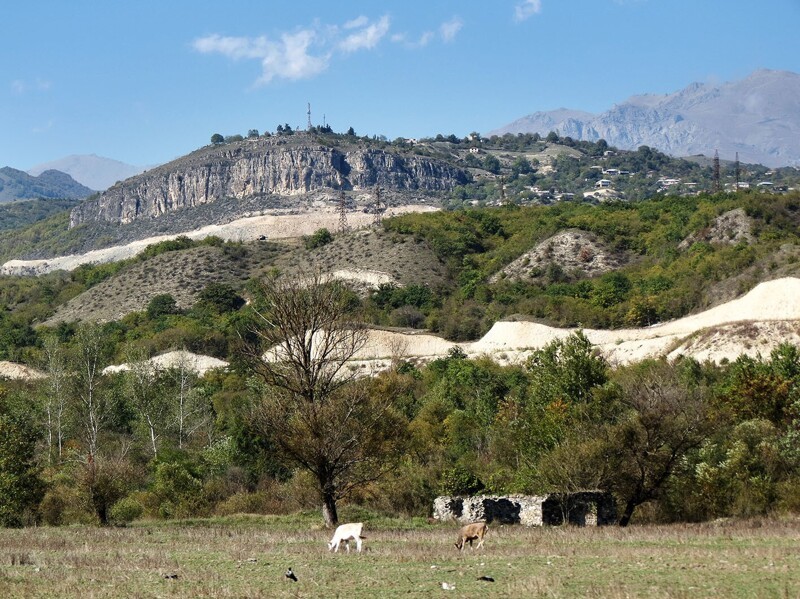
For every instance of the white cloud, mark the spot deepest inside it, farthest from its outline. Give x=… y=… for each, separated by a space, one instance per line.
x=299 y=55
x=290 y=59
x=287 y=58
x=528 y=8
x=357 y=22
x=232 y=47
x=450 y=29
x=367 y=37
x=425 y=39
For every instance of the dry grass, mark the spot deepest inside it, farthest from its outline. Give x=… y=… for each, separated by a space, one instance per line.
x=407 y=260
x=184 y=274
x=246 y=557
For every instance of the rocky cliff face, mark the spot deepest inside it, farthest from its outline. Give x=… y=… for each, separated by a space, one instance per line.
x=260 y=167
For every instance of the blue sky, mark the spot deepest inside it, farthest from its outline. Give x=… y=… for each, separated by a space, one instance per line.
x=147 y=81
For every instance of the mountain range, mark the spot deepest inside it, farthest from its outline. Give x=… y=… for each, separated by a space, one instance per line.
x=95 y=172
x=758 y=117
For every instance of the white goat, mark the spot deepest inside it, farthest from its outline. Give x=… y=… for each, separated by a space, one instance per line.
x=471 y=532
x=346 y=532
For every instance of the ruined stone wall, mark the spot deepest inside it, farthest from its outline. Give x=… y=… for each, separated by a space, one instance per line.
x=586 y=508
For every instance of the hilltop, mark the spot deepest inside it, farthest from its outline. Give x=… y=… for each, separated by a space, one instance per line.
x=304 y=173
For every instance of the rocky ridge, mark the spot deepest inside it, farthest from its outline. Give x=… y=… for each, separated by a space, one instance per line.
x=294 y=165
x=756 y=117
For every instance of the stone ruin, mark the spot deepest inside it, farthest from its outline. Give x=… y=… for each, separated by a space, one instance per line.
x=584 y=508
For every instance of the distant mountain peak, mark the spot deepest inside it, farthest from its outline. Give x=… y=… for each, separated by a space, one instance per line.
x=50 y=184
x=91 y=170
x=758 y=117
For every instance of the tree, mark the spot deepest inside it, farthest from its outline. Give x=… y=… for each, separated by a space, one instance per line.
x=21 y=488
x=192 y=409
x=92 y=404
x=252 y=133
x=143 y=389
x=666 y=417
x=491 y=163
x=321 y=418
x=55 y=392
x=217 y=139
x=351 y=132
x=222 y=297
x=160 y=305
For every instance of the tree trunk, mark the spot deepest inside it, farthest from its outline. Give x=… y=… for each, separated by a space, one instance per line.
x=626 y=515
x=329 y=509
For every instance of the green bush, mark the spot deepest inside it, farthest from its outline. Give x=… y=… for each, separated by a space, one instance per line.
x=125 y=511
x=160 y=305
x=318 y=239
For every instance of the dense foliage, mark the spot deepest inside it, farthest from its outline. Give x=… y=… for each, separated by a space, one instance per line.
x=672 y=441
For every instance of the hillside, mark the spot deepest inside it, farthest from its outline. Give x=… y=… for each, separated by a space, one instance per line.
x=756 y=117
x=524 y=170
x=18 y=185
x=608 y=267
x=365 y=258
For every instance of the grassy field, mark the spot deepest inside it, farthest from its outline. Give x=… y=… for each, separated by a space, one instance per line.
x=246 y=556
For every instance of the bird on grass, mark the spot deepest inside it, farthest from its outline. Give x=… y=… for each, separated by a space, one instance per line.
x=290 y=575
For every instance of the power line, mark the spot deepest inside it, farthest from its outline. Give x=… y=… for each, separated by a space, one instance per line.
x=343 y=228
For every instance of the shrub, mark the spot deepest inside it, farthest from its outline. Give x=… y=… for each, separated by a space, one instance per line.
x=407 y=316
x=126 y=510
x=245 y=503
x=318 y=239
x=161 y=305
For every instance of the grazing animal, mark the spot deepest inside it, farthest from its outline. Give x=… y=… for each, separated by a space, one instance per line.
x=471 y=532
x=346 y=533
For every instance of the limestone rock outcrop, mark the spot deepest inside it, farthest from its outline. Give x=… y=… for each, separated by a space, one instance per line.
x=277 y=166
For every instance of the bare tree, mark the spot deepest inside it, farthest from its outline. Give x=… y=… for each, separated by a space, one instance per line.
x=192 y=409
x=92 y=404
x=55 y=404
x=320 y=417
x=142 y=382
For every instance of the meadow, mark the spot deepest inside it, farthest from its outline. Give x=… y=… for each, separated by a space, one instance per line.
x=246 y=556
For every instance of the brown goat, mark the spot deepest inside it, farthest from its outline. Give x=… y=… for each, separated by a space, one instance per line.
x=471 y=532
